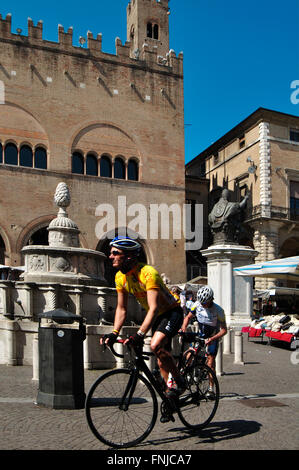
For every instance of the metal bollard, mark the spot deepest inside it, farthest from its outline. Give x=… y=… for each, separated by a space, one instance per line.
x=219 y=360
x=239 y=348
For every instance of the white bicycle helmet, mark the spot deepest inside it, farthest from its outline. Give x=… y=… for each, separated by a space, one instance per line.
x=205 y=294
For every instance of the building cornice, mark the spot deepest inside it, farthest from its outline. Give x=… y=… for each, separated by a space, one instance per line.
x=258 y=116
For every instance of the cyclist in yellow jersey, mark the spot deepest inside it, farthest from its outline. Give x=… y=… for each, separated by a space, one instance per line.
x=140 y=279
x=164 y=314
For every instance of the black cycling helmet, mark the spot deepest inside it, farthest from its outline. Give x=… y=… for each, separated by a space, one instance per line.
x=125 y=244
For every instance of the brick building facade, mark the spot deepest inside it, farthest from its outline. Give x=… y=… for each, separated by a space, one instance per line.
x=109 y=126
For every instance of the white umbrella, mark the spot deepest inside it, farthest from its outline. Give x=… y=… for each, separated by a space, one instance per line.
x=284 y=268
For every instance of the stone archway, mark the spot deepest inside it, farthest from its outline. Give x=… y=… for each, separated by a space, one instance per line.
x=104 y=247
x=39 y=237
x=290 y=247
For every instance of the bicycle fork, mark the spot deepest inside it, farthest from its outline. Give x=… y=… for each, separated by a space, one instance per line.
x=130 y=389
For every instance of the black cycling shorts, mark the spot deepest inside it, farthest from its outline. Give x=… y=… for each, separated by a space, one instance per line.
x=169 y=322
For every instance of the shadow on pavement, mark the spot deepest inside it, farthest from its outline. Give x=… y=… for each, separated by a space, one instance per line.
x=214 y=432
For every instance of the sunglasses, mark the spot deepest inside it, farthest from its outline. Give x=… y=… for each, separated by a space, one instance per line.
x=115 y=253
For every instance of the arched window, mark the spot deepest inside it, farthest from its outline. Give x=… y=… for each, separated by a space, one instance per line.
x=91 y=165
x=156 y=32
x=132 y=34
x=149 y=30
x=40 y=158
x=105 y=166
x=26 y=156
x=11 y=154
x=133 y=170
x=119 y=169
x=77 y=163
x=1 y=151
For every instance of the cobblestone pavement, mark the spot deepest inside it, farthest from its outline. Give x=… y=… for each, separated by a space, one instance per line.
x=242 y=422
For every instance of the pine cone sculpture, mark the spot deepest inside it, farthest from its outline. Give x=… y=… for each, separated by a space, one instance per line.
x=62 y=196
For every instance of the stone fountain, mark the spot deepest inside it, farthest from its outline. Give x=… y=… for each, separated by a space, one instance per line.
x=63 y=261
x=61 y=275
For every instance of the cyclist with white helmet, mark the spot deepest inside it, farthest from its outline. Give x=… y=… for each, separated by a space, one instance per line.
x=212 y=324
x=164 y=314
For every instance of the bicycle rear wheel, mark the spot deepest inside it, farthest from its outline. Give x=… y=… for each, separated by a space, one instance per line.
x=196 y=409
x=121 y=408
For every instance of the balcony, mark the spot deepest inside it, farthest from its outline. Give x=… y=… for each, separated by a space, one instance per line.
x=273 y=212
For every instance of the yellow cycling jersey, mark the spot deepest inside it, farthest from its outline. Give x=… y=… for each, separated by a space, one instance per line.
x=141 y=279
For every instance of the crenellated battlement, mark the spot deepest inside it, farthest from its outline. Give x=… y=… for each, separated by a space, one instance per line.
x=93 y=47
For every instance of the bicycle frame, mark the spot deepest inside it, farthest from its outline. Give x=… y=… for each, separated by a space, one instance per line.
x=139 y=365
x=190 y=337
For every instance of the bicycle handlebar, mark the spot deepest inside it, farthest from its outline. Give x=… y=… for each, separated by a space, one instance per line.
x=144 y=354
x=186 y=336
x=111 y=347
x=190 y=336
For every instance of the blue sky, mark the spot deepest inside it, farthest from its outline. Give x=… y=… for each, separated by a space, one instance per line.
x=238 y=55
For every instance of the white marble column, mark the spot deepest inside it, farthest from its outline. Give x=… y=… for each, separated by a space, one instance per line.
x=232 y=293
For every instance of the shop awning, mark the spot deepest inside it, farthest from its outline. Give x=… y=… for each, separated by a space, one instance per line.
x=284 y=268
x=275 y=291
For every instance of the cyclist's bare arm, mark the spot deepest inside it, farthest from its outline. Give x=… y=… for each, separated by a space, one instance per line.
x=121 y=309
x=186 y=321
x=222 y=332
x=152 y=300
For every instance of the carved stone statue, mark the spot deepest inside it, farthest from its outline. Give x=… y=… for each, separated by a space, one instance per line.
x=225 y=219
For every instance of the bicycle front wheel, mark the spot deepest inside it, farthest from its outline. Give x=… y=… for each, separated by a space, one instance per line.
x=196 y=407
x=121 y=408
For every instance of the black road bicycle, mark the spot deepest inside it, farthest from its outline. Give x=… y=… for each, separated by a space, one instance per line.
x=122 y=405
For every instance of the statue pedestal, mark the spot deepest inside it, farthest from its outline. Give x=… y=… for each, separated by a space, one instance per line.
x=232 y=293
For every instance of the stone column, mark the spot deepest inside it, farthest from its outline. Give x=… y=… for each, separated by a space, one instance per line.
x=227 y=342
x=266 y=242
x=239 y=348
x=11 y=336
x=219 y=360
x=28 y=307
x=265 y=169
x=5 y=302
x=35 y=358
x=233 y=293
